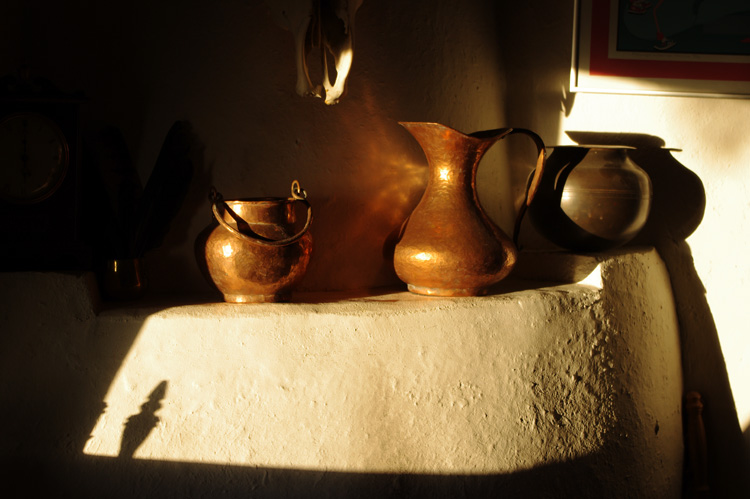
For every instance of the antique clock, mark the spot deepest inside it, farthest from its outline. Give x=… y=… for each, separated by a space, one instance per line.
x=40 y=191
x=35 y=155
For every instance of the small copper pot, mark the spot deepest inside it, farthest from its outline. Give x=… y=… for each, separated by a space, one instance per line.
x=253 y=254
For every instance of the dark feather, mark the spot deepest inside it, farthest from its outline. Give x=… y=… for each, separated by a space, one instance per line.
x=115 y=192
x=165 y=190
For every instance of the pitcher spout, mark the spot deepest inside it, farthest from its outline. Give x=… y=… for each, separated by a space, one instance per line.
x=433 y=134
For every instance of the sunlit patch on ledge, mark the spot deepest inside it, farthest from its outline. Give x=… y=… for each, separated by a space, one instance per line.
x=594 y=278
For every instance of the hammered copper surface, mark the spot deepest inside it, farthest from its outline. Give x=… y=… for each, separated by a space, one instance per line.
x=243 y=253
x=449 y=246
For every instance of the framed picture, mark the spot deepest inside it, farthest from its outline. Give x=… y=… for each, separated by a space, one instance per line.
x=662 y=47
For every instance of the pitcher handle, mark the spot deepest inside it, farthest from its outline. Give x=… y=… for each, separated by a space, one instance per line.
x=298 y=194
x=533 y=185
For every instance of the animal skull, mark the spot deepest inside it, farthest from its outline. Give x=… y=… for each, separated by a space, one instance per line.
x=328 y=26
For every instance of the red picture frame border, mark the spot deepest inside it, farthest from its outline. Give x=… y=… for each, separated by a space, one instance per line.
x=707 y=76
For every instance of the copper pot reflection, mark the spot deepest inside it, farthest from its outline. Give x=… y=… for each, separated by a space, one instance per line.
x=253 y=255
x=123 y=279
x=449 y=246
x=591 y=197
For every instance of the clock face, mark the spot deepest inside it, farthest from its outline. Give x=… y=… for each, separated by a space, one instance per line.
x=34 y=157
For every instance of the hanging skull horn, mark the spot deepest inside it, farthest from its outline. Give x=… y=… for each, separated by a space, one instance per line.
x=328 y=27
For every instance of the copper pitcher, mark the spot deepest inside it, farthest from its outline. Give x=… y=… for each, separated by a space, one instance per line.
x=449 y=246
x=253 y=255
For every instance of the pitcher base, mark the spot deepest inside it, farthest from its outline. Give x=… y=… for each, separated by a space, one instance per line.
x=270 y=298
x=424 y=290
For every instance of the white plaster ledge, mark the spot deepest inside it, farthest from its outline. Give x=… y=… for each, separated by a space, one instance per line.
x=536 y=374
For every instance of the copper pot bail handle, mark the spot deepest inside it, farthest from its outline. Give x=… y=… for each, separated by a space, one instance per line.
x=298 y=194
x=533 y=184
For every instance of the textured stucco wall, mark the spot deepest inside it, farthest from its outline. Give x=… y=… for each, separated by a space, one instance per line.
x=540 y=390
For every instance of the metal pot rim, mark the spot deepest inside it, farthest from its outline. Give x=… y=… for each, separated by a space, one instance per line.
x=269 y=200
x=589 y=146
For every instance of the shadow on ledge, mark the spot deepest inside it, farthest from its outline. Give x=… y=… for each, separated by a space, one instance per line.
x=113 y=477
